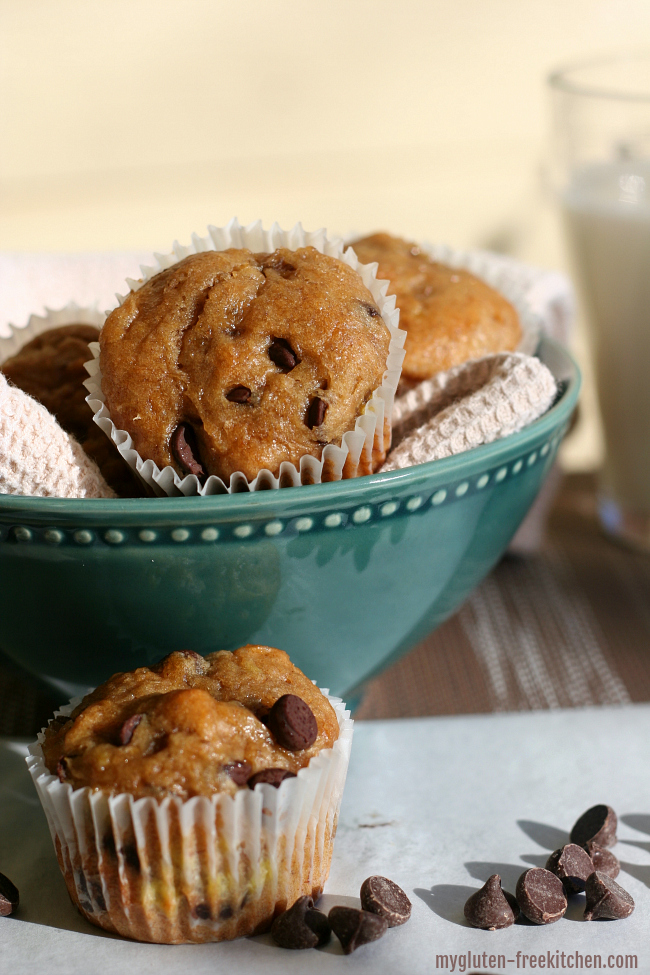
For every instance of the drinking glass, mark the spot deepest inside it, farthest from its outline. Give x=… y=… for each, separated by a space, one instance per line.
x=601 y=166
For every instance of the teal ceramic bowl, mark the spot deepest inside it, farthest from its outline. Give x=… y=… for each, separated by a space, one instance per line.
x=345 y=576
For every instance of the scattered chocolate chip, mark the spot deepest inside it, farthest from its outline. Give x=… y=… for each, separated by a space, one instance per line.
x=272 y=776
x=316 y=412
x=606 y=899
x=239 y=772
x=372 y=310
x=226 y=912
x=129 y=726
x=281 y=353
x=301 y=926
x=572 y=865
x=491 y=908
x=597 y=825
x=541 y=896
x=604 y=861
x=239 y=394
x=292 y=723
x=9 y=896
x=108 y=845
x=202 y=912
x=62 y=769
x=185 y=449
x=354 y=928
x=131 y=856
x=382 y=896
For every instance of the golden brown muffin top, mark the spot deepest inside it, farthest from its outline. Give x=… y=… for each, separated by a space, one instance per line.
x=233 y=361
x=449 y=315
x=190 y=726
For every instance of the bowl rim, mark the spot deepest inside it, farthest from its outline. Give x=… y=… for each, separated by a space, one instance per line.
x=224 y=508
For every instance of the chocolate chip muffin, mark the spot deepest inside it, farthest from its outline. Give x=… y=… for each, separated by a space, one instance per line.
x=194 y=726
x=50 y=368
x=449 y=315
x=196 y=799
x=233 y=361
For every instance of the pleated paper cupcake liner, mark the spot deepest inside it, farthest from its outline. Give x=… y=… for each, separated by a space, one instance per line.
x=72 y=314
x=362 y=450
x=204 y=869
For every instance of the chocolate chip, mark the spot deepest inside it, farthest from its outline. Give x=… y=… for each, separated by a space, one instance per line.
x=354 y=928
x=372 y=310
x=598 y=825
x=316 y=412
x=272 y=776
x=572 y=865
x=604 y=861
x=131 y=856
x=226 y=912
x=281 y=353
x=202 y=912
x=185 y=449
x=606 y=899
x=292 y=723
x=379 y=895
x=541 y=896
x=239 y=772
x=129 y=726
x=239 y=394
x=62 y=769
x=301 y=926
x=491 y=908
x=9 y=896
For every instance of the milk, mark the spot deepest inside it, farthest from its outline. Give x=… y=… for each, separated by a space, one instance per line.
x=607 y=214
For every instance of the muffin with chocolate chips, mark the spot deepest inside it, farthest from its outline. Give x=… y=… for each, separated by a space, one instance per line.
x=450 y=315
x=196 y=798
x=234 y=361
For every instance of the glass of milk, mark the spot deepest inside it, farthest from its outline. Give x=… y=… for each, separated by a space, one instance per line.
x=602 y=169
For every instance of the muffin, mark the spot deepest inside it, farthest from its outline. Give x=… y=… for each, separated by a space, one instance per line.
x=449 y=314
x=233 y=361
x=193 y=800
x=50 y=368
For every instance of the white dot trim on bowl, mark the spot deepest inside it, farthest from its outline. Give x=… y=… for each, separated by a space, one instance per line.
x=113 y=536
x=243 y=531
x=482 y=481
x=439 y=496
x=146 y=535
x=180 y=534
x=361 y=515
x=517 y=467
x=500 y=474
x=462 y=489
x=273 y=528
x=22 y=534
x=545 y=449
x=333 y=520
x=414 y=503
x=388 y=509
x=210 y=534
x=304 y=524
x=83 y=537
x=531 y=460
x=53 y=536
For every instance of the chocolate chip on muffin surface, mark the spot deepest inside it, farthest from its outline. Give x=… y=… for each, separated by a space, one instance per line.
x=191 y=725
x=449 y=315
x=259 y=358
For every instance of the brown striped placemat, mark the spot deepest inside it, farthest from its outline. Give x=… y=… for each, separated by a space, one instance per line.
x=566 y=627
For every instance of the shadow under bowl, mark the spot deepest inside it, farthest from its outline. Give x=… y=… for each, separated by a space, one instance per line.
x=344 y=576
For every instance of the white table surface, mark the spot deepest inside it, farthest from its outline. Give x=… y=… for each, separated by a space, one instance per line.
x=437 y=804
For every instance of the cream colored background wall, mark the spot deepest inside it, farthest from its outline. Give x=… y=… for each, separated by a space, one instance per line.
x=127 y=123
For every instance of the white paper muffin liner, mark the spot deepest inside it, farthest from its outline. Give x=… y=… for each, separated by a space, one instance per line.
x=362 y=450
x=203 y=869
x=72 y=314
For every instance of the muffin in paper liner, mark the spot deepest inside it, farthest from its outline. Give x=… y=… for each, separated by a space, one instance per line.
x=204 y=869
x=72 y=314
x=362 y=450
